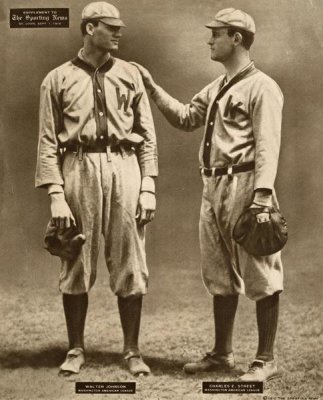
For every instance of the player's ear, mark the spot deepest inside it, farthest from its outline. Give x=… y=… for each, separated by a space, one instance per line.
x=237 y=38
x=89 y=28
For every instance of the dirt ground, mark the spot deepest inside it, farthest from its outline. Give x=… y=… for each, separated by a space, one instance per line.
x=177 y=326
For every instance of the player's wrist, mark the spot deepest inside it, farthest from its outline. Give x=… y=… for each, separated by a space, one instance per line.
x=57 y=196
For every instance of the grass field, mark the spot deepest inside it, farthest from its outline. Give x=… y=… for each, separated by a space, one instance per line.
x=177 y=326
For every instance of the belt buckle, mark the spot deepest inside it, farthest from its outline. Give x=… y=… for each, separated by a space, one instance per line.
x=230 y=171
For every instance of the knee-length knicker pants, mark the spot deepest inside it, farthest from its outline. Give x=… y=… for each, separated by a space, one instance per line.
x=227 y=269
x=102 y=192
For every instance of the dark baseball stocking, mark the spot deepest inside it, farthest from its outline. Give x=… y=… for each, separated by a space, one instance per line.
x=75 y=308
x=224 y=308
x=267 y=320
x=130 y=314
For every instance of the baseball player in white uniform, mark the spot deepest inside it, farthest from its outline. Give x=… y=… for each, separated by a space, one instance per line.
x=242 y=112
x=97 y=157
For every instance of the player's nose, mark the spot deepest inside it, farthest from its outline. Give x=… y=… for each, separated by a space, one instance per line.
x=118 y=34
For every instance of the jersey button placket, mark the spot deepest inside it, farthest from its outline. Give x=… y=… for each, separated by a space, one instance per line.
x=207 y=144
x=209 y=135
x=100 y=107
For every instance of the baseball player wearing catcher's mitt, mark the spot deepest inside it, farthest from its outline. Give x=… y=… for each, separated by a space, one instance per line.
x=242 y=112
x=97 y=157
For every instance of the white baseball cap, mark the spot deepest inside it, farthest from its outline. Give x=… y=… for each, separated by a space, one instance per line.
x=232 y=17
x=105 y=12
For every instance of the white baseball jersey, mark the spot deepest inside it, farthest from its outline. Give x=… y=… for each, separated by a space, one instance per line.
x=247 y=126
x=83 y=105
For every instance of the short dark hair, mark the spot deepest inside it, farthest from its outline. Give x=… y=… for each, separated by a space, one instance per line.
x=247 y=37
x=95 y=22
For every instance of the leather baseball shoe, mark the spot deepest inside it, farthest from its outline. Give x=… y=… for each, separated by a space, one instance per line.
x=136 y=364
x=260 y=371
x=211 y=362
x=73 y=362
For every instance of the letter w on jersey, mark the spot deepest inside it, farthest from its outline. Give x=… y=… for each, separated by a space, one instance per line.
x=231 y=109
x=123 y=99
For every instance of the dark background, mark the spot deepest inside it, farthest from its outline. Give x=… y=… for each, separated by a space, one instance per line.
x=170 y=39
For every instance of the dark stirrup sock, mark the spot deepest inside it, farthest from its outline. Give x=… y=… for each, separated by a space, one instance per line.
x=224 y=308
x=130 y=314
x=75 y=308
x=267 y=320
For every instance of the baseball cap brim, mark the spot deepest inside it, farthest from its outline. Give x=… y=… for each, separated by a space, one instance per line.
x=217 y=24
x=112 y=21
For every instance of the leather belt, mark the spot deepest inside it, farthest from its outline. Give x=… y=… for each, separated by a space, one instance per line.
x=99 y=148
x=228 y=170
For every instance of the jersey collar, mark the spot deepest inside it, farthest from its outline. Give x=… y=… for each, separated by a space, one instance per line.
x=81 y=62
x=243 y=72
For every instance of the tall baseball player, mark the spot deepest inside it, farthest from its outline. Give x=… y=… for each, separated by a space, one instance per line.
x=242 y=112
x=97 y=157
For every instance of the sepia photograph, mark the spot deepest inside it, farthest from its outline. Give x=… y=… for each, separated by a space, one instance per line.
x=161 y=199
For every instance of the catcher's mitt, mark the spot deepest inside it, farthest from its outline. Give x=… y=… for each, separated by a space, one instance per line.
x=64 y=243
x=261 y=238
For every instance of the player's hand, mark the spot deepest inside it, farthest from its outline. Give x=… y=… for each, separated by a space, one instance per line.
x=146 y=208
x=146 y=76
x=262 y=199
x=262 y=216
x=62 y=216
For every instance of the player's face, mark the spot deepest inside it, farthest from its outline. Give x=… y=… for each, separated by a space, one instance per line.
x=106 y=37
x=221 y=45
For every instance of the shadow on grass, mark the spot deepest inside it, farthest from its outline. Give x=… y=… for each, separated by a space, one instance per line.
x=43 y=358
x=52 y=357
x=163 y=366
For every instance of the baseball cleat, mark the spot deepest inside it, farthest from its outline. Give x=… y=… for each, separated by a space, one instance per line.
x=73 y=362
x=211 y=362
x=136 y=364
x=260 y=371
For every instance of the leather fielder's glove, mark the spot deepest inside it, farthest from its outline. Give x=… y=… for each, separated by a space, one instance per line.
x=261 y=238
x=65 y=243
